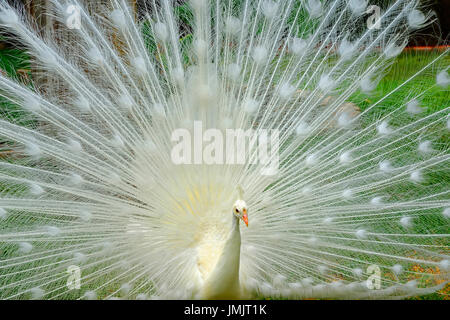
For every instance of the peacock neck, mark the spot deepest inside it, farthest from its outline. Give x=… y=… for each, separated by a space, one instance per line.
x=235 y=226
x=223 y=282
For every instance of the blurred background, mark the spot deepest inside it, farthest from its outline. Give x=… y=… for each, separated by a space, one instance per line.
x=437 y=33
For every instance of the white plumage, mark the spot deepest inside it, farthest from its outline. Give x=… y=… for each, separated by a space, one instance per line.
x=96 y=185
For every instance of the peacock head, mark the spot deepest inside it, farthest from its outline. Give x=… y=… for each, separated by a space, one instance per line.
x=240 y=211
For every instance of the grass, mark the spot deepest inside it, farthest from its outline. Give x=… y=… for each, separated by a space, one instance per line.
x=432 y=98
x=406 y=65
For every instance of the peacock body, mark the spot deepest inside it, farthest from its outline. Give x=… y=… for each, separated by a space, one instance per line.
x=119 y=172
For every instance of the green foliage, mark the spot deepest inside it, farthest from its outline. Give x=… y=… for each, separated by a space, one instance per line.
x=15 y=64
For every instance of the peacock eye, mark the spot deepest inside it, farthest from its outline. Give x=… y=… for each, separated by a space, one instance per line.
x=237 y=211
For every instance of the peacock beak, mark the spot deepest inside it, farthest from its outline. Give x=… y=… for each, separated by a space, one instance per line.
x=245 y=219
